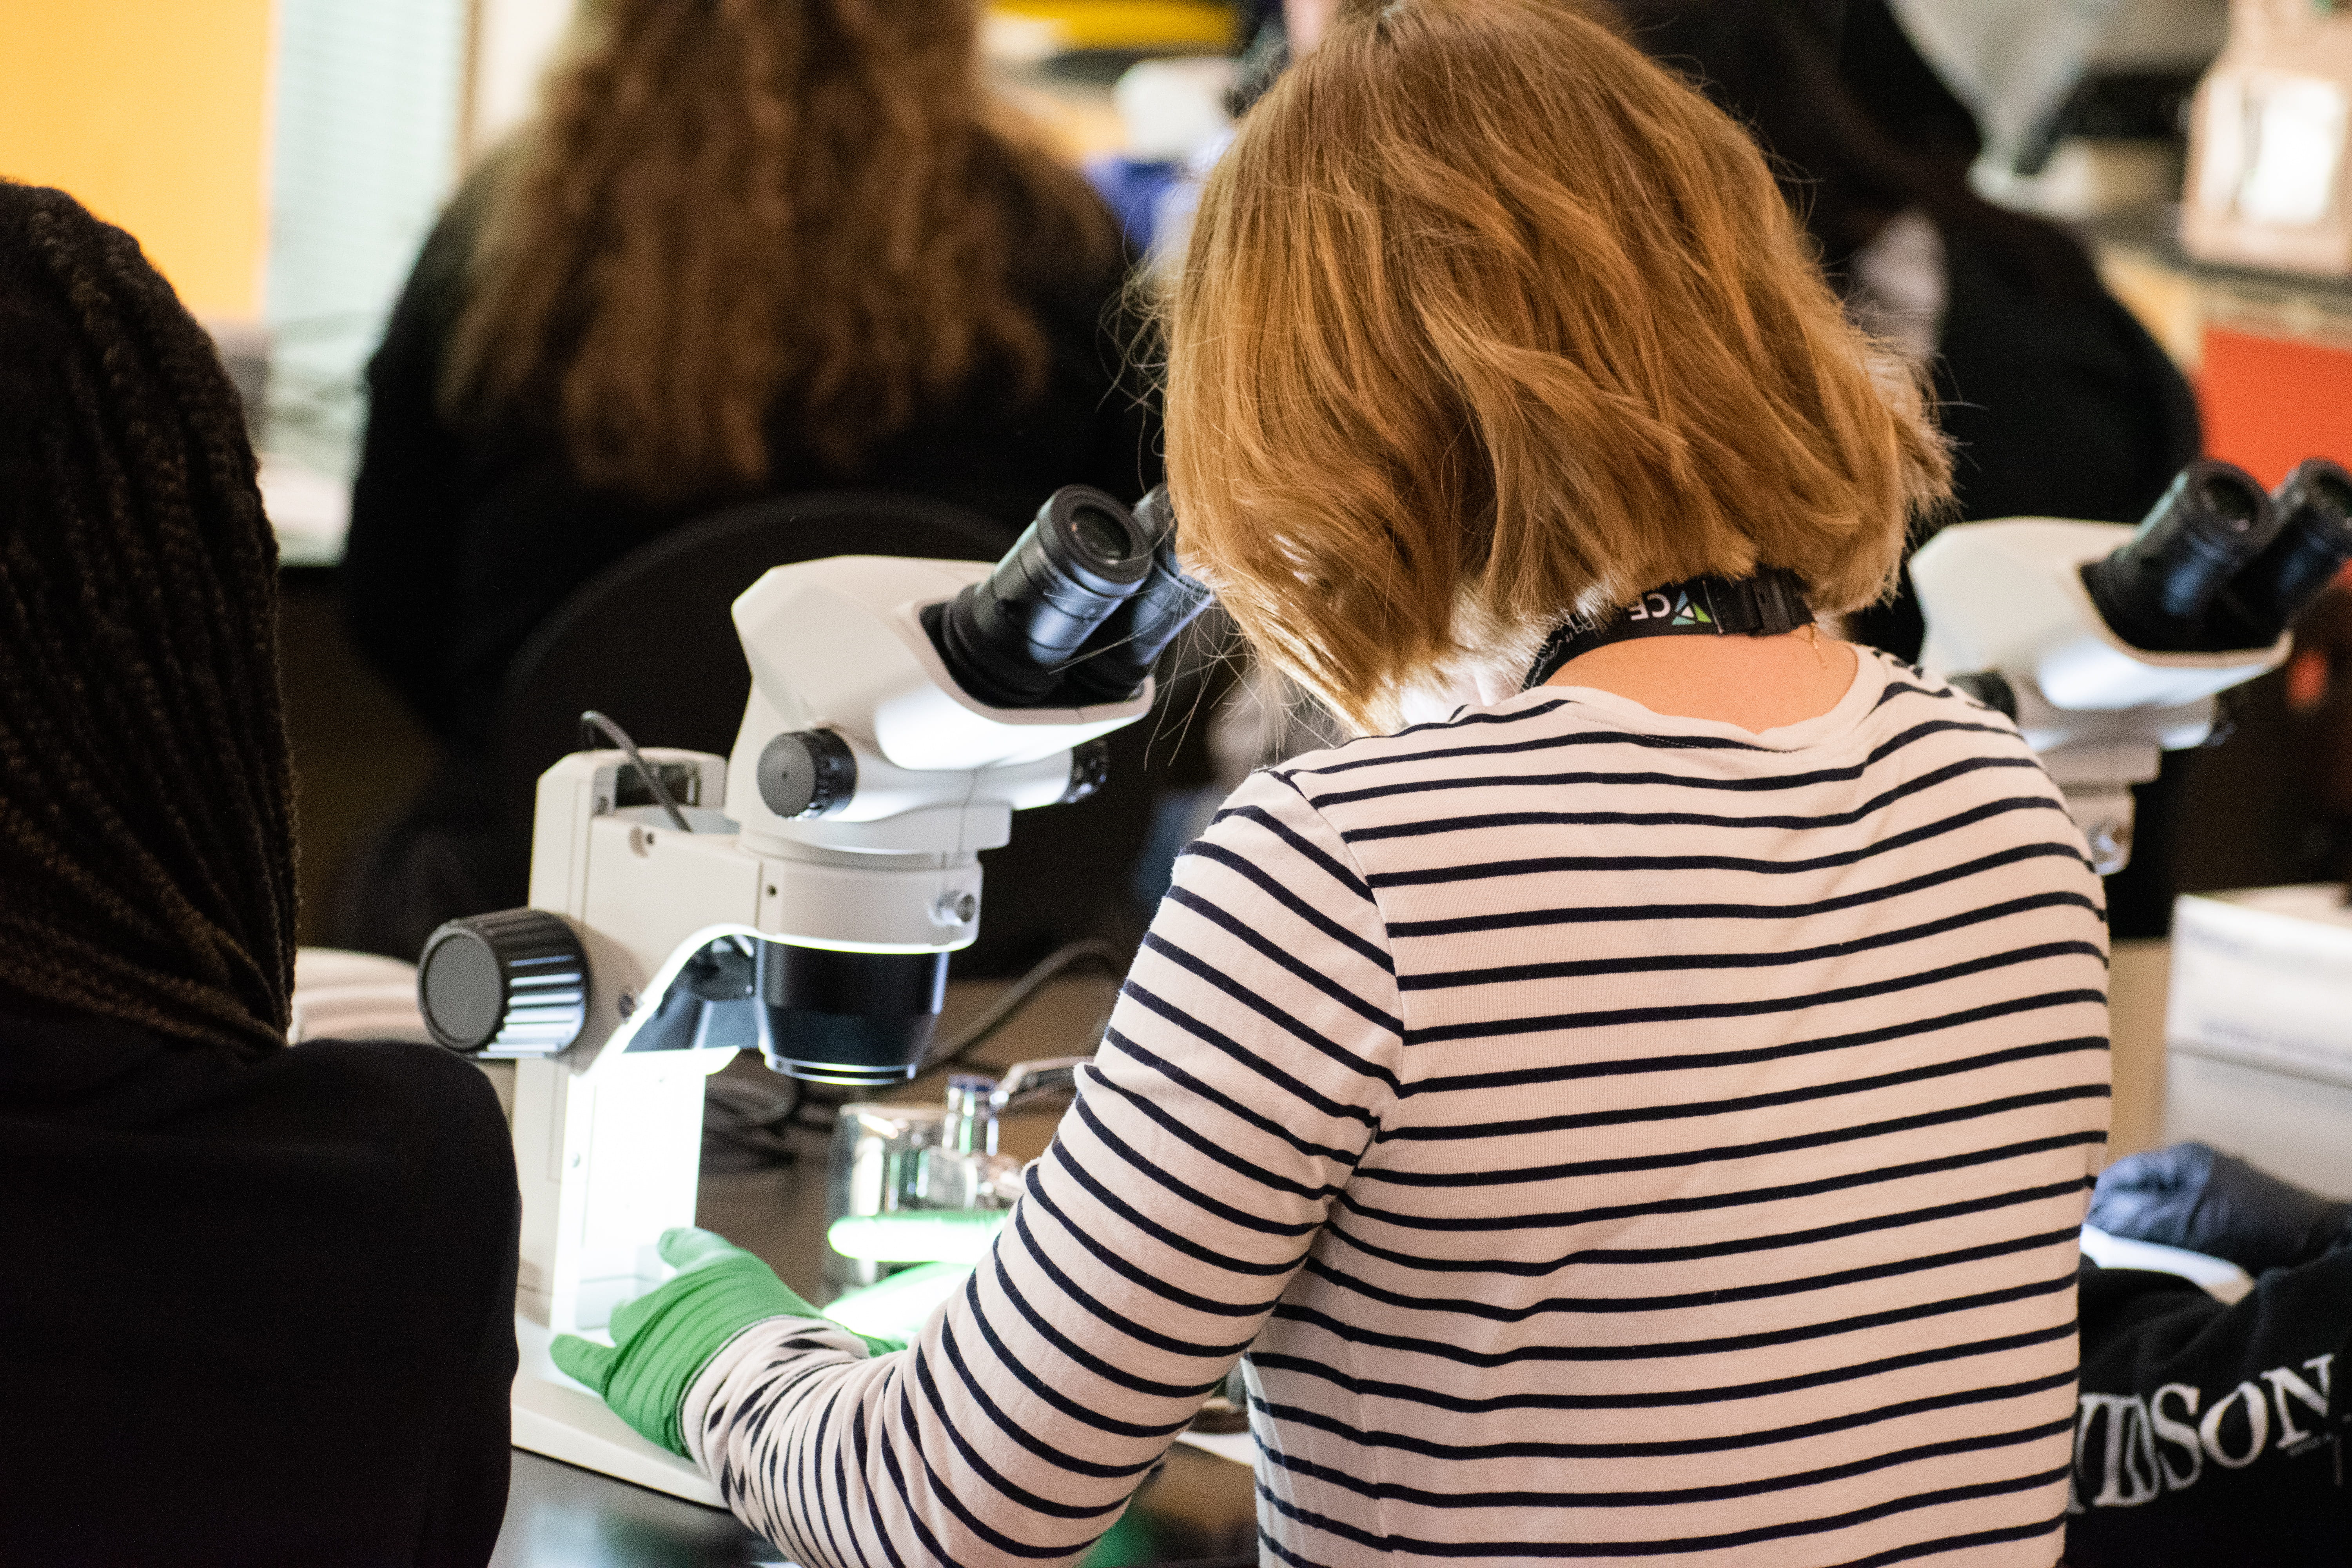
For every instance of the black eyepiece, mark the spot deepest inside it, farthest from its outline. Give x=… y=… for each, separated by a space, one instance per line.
x=2158 y=590
x=1008 y=638
x=1116 y=660
x=2313 y=507
x=1105 y=539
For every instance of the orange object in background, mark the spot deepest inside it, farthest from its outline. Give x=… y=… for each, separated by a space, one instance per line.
x=155 y=115
x=2271 y=402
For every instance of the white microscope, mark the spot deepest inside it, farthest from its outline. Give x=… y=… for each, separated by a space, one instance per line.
x=2107 y=644
x=800 y=898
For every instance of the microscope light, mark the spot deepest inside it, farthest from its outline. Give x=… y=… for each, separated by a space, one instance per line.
x=917 y=1235
x=900 y=1305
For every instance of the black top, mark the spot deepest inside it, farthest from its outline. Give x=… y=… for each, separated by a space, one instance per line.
x=2055 y=407
x=461 y=542
x=2208 y=1434
x=251 y=1313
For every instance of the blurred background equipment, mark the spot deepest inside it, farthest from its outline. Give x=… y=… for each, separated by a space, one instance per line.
x=2269 y=176
x=2259 y=1031
x=2080 y=100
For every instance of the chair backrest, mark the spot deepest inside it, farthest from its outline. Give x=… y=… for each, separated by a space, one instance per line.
x=649 y=641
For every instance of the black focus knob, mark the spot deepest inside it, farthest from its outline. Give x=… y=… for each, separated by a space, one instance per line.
x=807 y=773
x=513 y=984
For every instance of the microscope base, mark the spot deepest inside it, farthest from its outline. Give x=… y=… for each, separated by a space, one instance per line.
x=560 y=1418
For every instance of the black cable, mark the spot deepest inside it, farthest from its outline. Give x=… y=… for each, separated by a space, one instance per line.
x=594 y=721
x=1017 y=995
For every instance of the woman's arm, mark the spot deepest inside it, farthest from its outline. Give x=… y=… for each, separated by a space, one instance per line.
x=1253 y=1053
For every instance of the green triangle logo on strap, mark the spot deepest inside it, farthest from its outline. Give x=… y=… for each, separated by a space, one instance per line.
x=1689 y=614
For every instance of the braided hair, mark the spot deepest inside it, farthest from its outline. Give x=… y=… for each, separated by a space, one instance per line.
x=146 y=807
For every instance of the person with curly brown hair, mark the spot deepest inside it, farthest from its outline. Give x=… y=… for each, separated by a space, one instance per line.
x=256 y=1302
x=748 y=247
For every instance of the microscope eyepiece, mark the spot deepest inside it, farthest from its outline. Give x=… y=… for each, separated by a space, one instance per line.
x=2157 y=590
x=1104 y=542
x=1115 y=661
x=1009 y=637
x=2313 y=507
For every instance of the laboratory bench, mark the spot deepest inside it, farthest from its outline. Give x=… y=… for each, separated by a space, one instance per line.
x=1193 y=1512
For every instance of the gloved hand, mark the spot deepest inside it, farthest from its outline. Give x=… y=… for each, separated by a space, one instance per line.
x=663 y=1340
x=2188 y=1196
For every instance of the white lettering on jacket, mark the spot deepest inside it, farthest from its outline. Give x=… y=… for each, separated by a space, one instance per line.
x=2132 y=1450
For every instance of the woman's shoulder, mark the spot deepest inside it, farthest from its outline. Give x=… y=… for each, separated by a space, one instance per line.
x=1066 y=256
x=1894 y=715
x=386 y=1091
x=126 y=1086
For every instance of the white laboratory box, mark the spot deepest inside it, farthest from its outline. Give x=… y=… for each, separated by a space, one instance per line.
x=2258 y=1031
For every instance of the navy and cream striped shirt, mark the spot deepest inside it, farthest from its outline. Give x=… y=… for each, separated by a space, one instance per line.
x=1611 y=1137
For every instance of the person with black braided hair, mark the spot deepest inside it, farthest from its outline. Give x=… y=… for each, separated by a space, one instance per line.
x=256 y=1307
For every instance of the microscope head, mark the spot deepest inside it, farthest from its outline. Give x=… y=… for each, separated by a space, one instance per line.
x=901 y=711
x=2107 y=644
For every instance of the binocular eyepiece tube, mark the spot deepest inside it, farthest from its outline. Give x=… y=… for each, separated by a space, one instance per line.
x=2314 y=540
x=1079 y=609
x=2219 y=566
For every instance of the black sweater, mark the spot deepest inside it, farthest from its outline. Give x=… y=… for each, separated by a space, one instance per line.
x=462 y=542
x=255 y=1314
x=2208 y=1434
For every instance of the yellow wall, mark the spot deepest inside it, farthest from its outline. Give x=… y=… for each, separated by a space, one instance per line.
x=155 y=114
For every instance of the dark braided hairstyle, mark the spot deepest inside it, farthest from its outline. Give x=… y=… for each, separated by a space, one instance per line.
x=146 y=809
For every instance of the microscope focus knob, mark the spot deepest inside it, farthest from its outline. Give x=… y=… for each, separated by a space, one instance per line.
x=807 y=773
x=513 y=984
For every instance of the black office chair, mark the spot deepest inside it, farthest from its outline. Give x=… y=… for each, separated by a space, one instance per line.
x=649 y=642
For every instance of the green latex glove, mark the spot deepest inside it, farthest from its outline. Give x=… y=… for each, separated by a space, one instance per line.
x=663 y=1340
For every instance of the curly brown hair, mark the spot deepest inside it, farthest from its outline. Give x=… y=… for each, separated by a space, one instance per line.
x=740 y=215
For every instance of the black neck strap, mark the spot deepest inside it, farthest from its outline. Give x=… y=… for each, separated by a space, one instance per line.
x=1770 y=602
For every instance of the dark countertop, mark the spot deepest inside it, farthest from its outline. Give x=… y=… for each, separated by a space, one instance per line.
x=562 y=1517
x=1194 y=1512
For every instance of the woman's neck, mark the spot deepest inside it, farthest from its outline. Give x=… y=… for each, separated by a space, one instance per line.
x=1755 y=683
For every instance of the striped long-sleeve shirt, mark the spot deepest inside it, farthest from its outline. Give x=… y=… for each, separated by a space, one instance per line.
x=1611 y=1137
